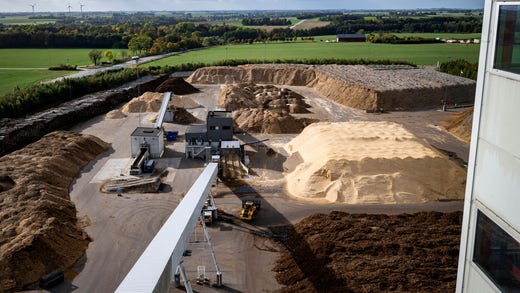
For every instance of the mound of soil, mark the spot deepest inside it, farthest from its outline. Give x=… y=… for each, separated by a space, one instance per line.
x=177 y=86
x=241 y=96
x=460 y=125
x=342 y=252
x=181 y=116
x=369 y=162
x=39 y=230
x=267 y=121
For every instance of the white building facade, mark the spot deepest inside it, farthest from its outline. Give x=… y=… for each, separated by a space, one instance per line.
x=489 y=258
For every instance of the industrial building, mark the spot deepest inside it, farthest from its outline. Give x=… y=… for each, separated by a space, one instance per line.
x=489 y=259
x=147 y=137
x=205 y=140
x=351 y=38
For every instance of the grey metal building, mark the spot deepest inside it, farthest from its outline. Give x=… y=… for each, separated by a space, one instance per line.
x=203 y=140
x=152 y=138
x=219 y=125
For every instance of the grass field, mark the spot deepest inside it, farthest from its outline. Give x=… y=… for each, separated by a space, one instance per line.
x=24 y=67
x=25 y=78
x=44 y=58
x=422 y=35
x=427 y=54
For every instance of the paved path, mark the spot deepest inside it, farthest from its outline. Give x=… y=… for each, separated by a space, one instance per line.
x=142 y=60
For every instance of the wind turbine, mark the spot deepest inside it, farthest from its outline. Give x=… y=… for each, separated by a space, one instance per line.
x=81 y=7
x=32 y=6
x=69 y=7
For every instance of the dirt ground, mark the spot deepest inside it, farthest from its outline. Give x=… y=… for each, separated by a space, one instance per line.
x=121 y=227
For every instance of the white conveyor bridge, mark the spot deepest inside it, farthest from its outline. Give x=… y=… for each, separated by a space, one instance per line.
x=162 y=111
x=154 y=270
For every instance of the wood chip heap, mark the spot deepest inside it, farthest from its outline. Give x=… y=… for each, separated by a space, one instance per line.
x=264 y=108
x=369 y=162
x=460 y=125
x=39 y=231
x=367 y=87
x=151 y=102
x=340 y=252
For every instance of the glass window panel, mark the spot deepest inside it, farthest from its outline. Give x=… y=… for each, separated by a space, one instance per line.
x=497 y=254
x=507 y=49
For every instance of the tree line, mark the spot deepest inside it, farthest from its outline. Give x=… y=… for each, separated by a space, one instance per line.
x=266 y=21
x=154 y=35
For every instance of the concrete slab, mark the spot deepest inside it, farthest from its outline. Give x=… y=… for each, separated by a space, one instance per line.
x=113 y=169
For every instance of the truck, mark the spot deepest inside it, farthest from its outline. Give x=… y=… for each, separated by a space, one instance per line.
x=250 y=207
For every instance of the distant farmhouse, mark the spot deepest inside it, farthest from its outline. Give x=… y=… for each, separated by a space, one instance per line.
x=351 y=38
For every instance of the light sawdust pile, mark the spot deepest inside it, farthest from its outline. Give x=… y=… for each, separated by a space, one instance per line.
x=147 y=102
x=240 y=96
x=267 y=121
x=460 y=125
x=369 y=162
x=151 y=102
x=39 y=229
x=115 y=114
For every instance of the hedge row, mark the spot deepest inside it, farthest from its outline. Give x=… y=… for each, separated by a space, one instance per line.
x=22 y=102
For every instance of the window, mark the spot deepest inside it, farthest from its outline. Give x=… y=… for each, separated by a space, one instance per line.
x=507 y=49
x=497 y=254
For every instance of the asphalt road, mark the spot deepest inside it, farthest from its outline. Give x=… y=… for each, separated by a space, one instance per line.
x=86 y=72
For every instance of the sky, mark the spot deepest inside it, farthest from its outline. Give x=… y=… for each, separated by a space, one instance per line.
x=194 y=5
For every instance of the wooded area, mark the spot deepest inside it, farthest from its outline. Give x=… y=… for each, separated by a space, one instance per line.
x=148 y=35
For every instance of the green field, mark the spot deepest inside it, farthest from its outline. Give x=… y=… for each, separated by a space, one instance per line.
x=427 y=54
x=24 y=67
x=25 y=78
x=421 y=35
x=44 y=58
x=440 y=35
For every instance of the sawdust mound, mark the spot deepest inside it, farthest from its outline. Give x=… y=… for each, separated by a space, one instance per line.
x=115 y=114
x=151 y=102
x=39 y=230
x=460 y=125
x=147 y=102
x=369 y=162
x=342 y=252
x=267 y=121
x=177 y=86
x=248 y=95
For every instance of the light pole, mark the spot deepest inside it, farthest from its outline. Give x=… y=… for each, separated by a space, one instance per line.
x=136 y=59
